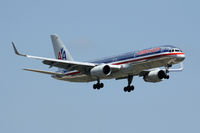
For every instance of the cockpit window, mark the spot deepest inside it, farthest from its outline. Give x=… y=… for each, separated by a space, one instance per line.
x=175 y=50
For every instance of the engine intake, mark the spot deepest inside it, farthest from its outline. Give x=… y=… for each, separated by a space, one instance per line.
x=161 y=74
x=106 y=70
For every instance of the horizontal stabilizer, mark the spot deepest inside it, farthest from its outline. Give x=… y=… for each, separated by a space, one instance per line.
x=44 y=72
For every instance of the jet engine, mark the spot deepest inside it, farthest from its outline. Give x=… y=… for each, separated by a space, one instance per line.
x=155 y=76
x=103 y=70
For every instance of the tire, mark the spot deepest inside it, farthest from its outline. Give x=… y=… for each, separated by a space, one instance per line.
x=101 y=85
x=125 y=89
x=132 y=88
x=94 y=86
x=98 y=86
x=167 y=77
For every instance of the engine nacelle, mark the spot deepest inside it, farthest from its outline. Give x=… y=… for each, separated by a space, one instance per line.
x=101 y=70
x=155 y=76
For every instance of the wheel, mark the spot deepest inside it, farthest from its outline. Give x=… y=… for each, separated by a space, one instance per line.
x=125 y=89
x=98 y=86
x=132 y=87
x=94 y=86
x=129 y=88
x=101 y=85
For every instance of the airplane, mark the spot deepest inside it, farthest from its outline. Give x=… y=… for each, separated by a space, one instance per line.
x=145 y=63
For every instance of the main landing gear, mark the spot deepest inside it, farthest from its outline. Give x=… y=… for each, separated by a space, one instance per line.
x=130 y=87
x=98 y=85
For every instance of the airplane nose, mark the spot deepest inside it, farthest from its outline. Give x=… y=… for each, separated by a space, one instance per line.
x=181 y=57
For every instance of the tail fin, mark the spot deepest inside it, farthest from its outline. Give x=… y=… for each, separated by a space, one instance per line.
x=59 y=49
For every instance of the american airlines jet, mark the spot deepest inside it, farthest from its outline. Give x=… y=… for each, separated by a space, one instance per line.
x=144 y=63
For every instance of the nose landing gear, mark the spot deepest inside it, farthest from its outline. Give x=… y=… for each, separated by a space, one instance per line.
x=167 y=70
x=167 y=67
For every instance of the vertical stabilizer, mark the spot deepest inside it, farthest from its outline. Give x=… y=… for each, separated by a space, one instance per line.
x=60 y=50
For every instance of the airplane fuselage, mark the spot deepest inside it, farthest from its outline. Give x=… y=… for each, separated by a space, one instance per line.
x=131 y=63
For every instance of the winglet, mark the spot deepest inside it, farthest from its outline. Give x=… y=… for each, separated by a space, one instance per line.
x=15 y=49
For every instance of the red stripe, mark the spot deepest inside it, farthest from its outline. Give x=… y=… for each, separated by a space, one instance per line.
x=72 y=73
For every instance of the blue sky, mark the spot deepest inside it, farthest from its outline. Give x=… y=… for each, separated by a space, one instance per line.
x=31 y=102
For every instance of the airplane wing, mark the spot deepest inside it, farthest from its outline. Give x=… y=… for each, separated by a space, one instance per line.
x=83 y=67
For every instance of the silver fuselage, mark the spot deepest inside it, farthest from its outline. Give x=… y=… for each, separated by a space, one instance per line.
x=131 y=63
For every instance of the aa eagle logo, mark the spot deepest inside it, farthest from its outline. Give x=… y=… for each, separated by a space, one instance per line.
x=62 y=54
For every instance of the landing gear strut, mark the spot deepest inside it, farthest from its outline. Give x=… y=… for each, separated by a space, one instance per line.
x=98 y=85
x=167 y=70
x=130 y=87
x=167 y=67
